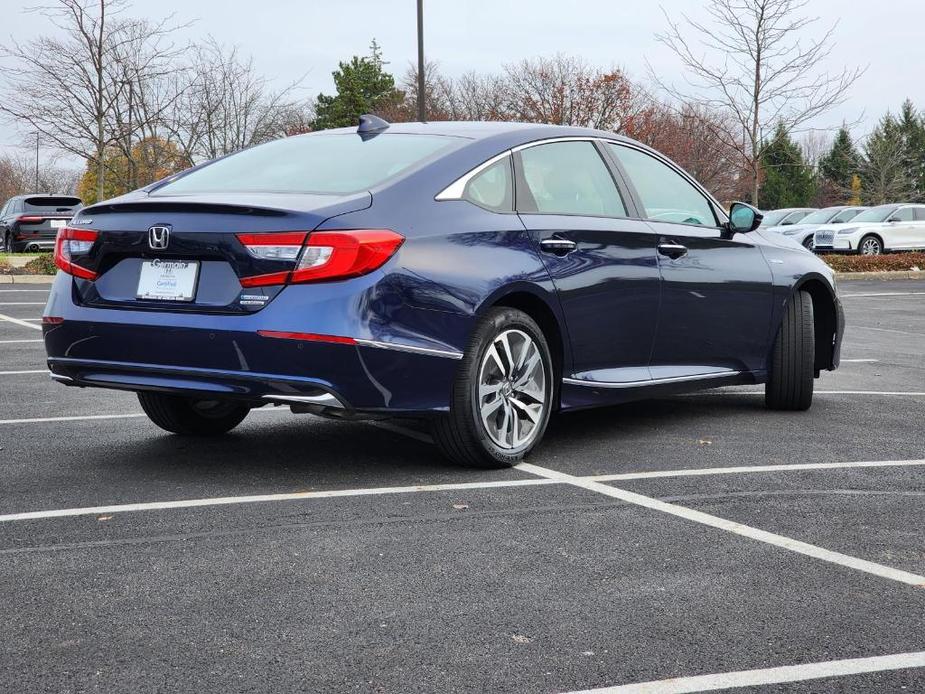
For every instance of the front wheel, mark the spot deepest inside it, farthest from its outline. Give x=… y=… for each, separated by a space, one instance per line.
x=503 y=393
x=192 y=416
x=8 y=243
x=792 y=367
x=809 y=243
x=870 y=245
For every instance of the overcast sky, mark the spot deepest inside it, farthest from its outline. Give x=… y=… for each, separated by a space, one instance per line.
x=291 y=38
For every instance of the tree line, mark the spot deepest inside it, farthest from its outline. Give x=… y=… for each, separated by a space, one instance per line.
x=119 y=93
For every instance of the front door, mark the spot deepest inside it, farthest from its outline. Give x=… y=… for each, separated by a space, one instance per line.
x=716 y=292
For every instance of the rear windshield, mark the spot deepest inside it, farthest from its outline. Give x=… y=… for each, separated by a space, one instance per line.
x=323 y=163
x=51 y=204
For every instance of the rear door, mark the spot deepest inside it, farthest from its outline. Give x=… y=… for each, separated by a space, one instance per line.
x=601 y=260
x=716 y=291
x=899 y=229
x=915 y=239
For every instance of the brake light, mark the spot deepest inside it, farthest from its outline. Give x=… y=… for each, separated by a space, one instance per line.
x=26 y=219
x=323 y=256
x=70 y=244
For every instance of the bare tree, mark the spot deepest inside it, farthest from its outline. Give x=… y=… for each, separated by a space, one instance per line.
x=752 y=59
x=222 y=104
x=18 y=176
x=65 y=86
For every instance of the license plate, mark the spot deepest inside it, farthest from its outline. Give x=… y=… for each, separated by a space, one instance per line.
x=58 y=223
x=168 y=280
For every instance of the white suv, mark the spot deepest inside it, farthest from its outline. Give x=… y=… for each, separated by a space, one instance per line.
x=884 y=228
x=804 y=231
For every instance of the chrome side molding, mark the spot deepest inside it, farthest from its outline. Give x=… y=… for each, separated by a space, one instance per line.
x=321 y=400
x=398 y=347
x=652 y=382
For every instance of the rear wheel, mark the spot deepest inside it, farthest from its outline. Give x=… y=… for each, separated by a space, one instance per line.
x=7 y=242
x=870 y=245
x=192 y=416
x=502 y=396
x=792 y=368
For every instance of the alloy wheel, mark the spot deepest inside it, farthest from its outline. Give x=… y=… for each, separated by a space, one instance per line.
x=870 y=246
x=512 y=389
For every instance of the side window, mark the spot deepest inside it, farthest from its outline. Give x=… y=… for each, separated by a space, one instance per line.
x=793 y=218
x=845 y=216
x=493 y=188
x=920 y=214
x=666 y=195
x=902 y=215
x=568 y=178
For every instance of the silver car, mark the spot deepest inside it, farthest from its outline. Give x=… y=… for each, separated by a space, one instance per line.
x=899 y=227
x=784 y=217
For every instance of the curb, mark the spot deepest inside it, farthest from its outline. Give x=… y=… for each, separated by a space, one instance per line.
x=26 y=279
x=899 y=275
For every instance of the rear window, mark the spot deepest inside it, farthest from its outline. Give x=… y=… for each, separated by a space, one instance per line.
x=329 y=163
x=51 y=204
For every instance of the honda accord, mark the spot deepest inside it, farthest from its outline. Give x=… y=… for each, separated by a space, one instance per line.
x=479 y=276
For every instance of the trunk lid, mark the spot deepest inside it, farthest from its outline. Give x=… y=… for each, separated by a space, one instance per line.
x=200 y=246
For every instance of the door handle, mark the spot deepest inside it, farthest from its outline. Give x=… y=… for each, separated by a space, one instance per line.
x=558 y=246
x=672 y=249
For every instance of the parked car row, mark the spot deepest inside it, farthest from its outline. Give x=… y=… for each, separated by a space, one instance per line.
x=850 y=229
x=31 y=222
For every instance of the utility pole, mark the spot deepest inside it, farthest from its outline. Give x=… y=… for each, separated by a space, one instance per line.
x=422 y=107
x=37 y=162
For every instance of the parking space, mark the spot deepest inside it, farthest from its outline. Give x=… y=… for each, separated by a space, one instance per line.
x=678 y=538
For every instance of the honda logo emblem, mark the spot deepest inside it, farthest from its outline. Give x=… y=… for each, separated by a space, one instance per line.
x=158 y=237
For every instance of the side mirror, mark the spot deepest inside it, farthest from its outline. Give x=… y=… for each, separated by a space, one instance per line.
x=894 y=219
x=743 y=218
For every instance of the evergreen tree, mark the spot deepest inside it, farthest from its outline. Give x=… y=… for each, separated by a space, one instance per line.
x=840 y=163
x=363 y=86
x=788 y=181
x=912 y=130
x=886 y=176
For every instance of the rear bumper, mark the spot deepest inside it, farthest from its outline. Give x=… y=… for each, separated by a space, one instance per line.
x=386 y=371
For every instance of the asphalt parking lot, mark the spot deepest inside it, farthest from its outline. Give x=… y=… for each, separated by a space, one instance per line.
x=678 y=538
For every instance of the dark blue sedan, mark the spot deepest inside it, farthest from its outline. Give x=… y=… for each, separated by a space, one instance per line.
x=481 y=276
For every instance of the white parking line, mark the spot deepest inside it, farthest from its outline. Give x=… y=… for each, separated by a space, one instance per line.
x=18 y=373
x=695 y=472
x=917 y=393
x=766 y=676
x=563 y=479
x=886 y=330
x=17 y=342
x=870 y=294
x=76 y=418
x=17 y=321
x=730 y=526
x=258 y=498
x=6 y=291
x=859 y=361
x=22 y=303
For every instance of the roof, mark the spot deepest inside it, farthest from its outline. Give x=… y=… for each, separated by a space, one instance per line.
x=479 y=130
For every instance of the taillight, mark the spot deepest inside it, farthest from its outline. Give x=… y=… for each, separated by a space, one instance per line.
x=324 y=255
x=70 y=244
x=26 y=219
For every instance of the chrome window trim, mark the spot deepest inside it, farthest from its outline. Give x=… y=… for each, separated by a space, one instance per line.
x=653 y=382
x=457 y=188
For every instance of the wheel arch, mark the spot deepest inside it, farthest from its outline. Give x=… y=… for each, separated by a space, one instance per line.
x=825 y=318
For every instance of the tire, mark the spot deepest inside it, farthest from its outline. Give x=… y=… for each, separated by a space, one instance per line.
x=524 y=394
x=192 y=416
x=792 y=367
x=870 y=245
x=809 y=243
x=8 y=243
